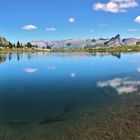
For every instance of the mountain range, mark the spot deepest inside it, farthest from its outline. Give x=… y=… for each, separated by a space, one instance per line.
x=81 y=43
x=87 y=43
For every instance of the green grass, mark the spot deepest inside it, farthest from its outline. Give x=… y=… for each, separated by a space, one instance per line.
x=102 y=50
x=22 y=50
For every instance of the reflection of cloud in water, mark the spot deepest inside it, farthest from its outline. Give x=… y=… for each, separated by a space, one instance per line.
x=126 y=89
x=30 y=70
x=51 y=67
x=122 y=85
x=72 y=75
x=138 y=69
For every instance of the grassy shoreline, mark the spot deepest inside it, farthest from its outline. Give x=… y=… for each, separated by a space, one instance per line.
x=100 y=50
x=22 y=50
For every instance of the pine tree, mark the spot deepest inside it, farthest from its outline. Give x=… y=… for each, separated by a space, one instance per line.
x=18 y=45
x=29 y=45
x=10 y=45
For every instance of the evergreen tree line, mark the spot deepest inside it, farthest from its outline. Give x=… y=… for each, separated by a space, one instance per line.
x=19 y=45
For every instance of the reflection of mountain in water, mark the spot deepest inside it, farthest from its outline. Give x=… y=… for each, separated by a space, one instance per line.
x=55 y=55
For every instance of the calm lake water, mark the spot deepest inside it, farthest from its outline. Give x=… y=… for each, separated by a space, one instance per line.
x=54 y=87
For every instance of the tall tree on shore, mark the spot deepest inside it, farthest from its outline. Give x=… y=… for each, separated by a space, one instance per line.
x=10 y=45
x=138 y=44
x=29 y=45
x=18 y=45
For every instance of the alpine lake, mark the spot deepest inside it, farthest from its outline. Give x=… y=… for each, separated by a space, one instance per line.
x=70 y=96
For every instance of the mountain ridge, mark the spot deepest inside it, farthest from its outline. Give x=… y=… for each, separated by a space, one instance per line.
x=69 y=44
x=87 y=43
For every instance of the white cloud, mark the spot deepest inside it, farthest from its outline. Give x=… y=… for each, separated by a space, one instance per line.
x=122 y=85
x=71 y=20
x=132 y=30
x=50 y=29
x=29 y=27
x=72 y=75
x=137 y=19
x=30 y=70
x=115 y=6
x=112 y=7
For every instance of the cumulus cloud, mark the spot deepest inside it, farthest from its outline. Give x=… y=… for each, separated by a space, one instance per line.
x=115 y=6
x=122 y=85
x=51 y=29
x=30 y=70
x=137 y=19
x=29 y=27
x=71 y=20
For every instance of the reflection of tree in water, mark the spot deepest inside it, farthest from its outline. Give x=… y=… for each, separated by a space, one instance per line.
x=10 y=56
x=18 y=56
x=29 y=56
x=2 y=59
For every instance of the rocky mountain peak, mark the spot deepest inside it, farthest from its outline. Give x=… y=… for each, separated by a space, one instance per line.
x=3 y=41
x=115 y=41
x=117 y=37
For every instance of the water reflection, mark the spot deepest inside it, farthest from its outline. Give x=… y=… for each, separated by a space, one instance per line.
x=2 y=59
x=58 y=55
x=124 y=85
x=47 y=95
x=72 y=75
x=30 y=70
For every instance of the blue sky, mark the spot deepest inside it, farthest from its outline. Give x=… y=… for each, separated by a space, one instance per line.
x=27 y=20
